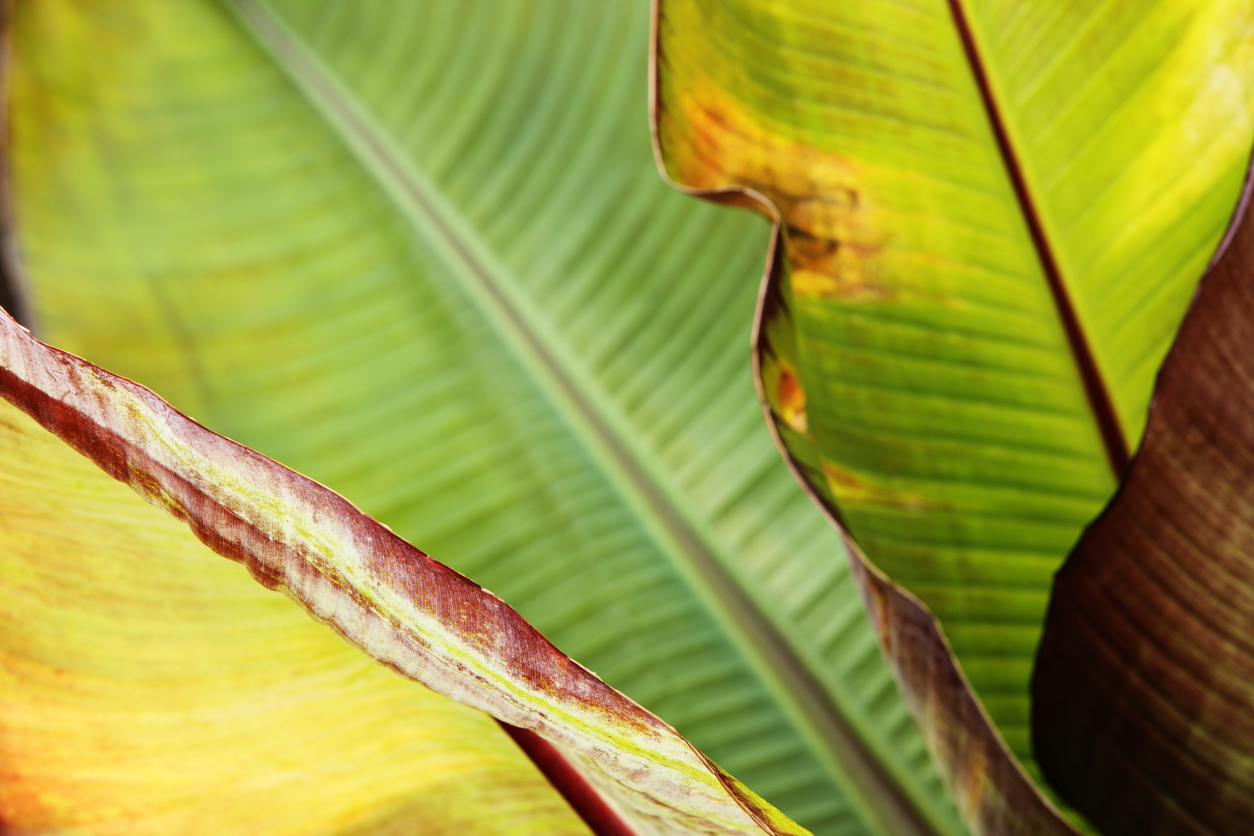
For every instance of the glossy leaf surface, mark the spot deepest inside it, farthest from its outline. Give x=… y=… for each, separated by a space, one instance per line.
x=1150 y=637
x=993 y=217
x=453 y=289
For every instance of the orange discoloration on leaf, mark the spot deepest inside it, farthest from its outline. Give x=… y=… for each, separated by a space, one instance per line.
x=832 y=241
x=976 y=785
x=713 y=140
x=792 y=399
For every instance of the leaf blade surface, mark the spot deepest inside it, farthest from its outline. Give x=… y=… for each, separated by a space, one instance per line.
x=377 y=369
x=928 y=163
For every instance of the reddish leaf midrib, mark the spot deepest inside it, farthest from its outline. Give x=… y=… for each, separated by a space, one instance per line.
x=582 y=797
x=1095 y=390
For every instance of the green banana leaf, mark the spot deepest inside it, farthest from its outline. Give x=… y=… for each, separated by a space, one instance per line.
x=420 y=253
x=992 y=217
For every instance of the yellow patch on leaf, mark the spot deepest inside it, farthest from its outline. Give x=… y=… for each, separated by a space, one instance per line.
x=851 y=489
x=849 y=286
x=714 y=141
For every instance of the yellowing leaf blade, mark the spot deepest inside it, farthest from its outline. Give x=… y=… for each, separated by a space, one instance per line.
x=414 y=615
x=148 y=687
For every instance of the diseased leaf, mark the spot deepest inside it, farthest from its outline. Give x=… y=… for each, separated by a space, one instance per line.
x=1143 y=693
x=414 y=615
x=993 y=215
x=420 y=251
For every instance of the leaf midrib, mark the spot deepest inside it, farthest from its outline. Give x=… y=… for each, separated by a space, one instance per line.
x=1092 y=381
x=596 y=422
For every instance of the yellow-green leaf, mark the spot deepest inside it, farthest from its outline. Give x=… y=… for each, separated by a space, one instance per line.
x=993 y=216
x=149 y=687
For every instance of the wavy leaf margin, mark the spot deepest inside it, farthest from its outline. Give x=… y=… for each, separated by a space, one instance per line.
x=994 y=793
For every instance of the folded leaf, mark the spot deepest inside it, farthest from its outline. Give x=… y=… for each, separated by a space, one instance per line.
x=1143 y=693
x=990 y=232
x=420 y=252
x=414 y=615
x=137 y=668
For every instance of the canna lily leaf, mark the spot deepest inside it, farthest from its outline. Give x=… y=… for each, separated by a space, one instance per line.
x=991 y=217
x=420 y=252
x=1148 y=640
x=414 y=615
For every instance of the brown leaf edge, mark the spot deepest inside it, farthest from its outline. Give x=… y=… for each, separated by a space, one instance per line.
x=993 y=792
x=412 y=614
x=1143 y=691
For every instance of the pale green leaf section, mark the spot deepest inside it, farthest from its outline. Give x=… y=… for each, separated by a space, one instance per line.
x=937 y=380
x=518 y=349
x=147 y=686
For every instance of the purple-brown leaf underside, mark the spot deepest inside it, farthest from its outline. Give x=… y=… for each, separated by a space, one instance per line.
x=1143 y=693
x=417 y=616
